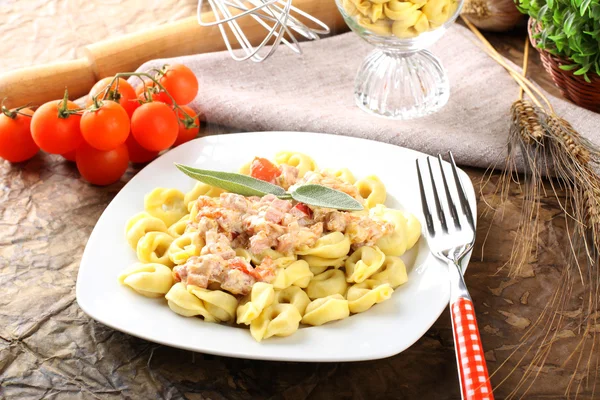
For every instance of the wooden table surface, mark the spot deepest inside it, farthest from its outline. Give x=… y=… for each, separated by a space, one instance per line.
x=51 y=349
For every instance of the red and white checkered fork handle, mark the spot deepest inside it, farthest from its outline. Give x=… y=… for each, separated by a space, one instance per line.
x=474 y=378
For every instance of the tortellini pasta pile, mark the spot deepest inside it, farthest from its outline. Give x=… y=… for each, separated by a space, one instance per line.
x=403 y=19
x=326 y=282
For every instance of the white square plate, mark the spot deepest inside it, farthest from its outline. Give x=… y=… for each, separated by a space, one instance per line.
x=386 y=329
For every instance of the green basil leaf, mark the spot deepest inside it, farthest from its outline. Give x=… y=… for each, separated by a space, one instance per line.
x=322 y=196
x=232 y=182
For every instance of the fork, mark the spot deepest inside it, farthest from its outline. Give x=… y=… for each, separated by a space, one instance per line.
x=450 y=242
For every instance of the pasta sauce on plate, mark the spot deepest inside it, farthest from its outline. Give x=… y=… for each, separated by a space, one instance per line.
x=260 y=224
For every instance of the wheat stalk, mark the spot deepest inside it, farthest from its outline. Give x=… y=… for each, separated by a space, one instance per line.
x=548 y=145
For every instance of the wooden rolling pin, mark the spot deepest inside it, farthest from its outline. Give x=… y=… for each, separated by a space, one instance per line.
x=39 y=84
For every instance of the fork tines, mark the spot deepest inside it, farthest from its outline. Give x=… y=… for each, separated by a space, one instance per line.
x=439 y=208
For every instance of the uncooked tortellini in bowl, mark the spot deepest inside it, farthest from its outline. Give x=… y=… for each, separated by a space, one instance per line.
x=400 y=79
x=395 y=18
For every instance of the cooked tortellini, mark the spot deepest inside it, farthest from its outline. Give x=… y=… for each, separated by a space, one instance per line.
x=297 y=273
x=301 y=161
x=278 y=258
x=139 y=225
x=221 y=305
x=185 y=246
x=394 y=244
x=403 y=19
x=319 y=265
x=318 y=270
x=154 y=248
x=330 y=265
x=201 y=189
x=179 y=227
x=295 y=296
x=184 y=303
x=150 y=280
x=245 y=169
x=332 y=245
x=393 y=271
x=372 y=190
x=342 y=173
x=363 y=263
x=365 y=295
x=165 y=204
x=276 y=320
x=326 y=309
x=328 y=283
x=413 y=230
x=322 y=263
x=261 y=297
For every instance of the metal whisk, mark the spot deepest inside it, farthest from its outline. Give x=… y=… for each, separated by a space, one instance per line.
x=277 y=17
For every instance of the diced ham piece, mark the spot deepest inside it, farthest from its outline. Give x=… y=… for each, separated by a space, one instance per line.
x=235 y=202
x=288 y=177
x=336 y=221
x=331 y=181
x=277 y=210
x=210 y=269
x=218 y=244
x=260 y=242
x=206 y=224
x=237 y=282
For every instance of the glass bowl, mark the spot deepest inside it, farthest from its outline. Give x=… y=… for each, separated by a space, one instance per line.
x=400 y=79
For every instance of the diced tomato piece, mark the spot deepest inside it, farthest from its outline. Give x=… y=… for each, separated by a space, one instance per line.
x=304 y=208
x=237 y=263
x=209 y=213
x=263 y=169
x=265 y=272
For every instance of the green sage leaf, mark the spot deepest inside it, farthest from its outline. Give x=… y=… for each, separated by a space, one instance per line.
x=322 y=196
x=232 y=182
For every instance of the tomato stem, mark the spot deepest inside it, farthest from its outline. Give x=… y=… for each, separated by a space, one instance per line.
x=14 y=112
x=160 y=72
x=156 y=83
x=63 y=109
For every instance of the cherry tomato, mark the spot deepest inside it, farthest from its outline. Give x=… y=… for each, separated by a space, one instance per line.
x=155 y=93
x=16 y=143
x=187 y=130
x=106 y=127
x=138 y=154
x=55 y=131
x=141 y=88
x=180 y=82
x=102 y=167
x=70 y=156
x=155 y=96
x=154 y=126
x=127 y=96
x=263 y=169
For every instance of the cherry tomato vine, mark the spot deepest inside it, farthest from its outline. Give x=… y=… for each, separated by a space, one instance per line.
x=118 y=125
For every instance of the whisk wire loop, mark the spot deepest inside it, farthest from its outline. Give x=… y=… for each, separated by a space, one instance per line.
x=275 y=16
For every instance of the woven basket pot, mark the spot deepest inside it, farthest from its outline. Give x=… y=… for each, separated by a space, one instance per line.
x=572 y=87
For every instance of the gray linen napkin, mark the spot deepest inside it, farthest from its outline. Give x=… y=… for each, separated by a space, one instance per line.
x=314 y=93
